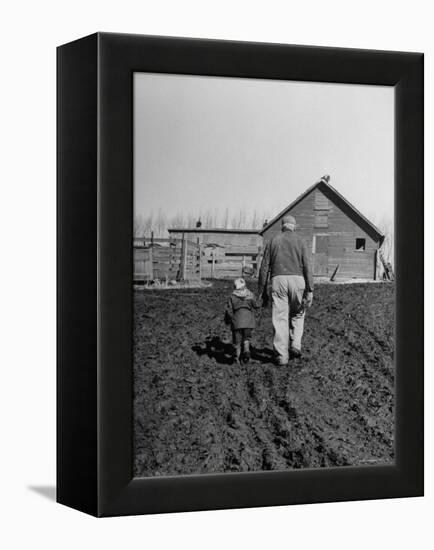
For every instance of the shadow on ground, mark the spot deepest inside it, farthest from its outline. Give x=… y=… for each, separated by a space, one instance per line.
x=47 y=491
x=215 y=348
x=222 y=352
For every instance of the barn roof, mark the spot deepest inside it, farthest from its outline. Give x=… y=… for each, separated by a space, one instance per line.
x=210 y=230
x=340 y=201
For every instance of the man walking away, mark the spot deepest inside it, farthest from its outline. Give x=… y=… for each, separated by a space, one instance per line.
x=287 y=261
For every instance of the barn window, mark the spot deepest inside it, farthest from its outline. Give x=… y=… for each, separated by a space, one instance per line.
x=321 y=218
x=360 y=244
x=321 y=244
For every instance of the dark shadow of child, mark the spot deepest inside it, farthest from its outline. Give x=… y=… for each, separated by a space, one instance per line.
x=222 y=352
x=215 y=348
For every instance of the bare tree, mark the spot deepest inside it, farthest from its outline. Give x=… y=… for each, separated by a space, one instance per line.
x=218 y=218
x=234 y=221
x=177 y=221
x=207 y=219
x=148 y=223
x=139 y=226
x=160 y=224
x=192 y=219
x=385 y=225
x=225 y=219
x=255 y=223
x=265 y=217
x=243 y=219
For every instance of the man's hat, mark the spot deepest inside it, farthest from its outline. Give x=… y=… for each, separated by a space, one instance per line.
x=288 y=219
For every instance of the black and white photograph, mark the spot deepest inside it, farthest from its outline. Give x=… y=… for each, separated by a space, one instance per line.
x=264 y=280
x=217 y=255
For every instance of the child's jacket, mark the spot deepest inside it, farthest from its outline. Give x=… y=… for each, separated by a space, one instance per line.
x=240 y=309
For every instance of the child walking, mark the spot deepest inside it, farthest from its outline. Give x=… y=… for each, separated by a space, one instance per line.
x=240 y=314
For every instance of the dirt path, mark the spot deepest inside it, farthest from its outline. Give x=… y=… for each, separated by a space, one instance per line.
x=197 y=413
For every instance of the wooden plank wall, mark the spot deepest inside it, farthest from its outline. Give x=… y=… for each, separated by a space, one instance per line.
x=232 y=242
x=229 y=266
x=235 y=256
x=178 y=261
x=342 y=231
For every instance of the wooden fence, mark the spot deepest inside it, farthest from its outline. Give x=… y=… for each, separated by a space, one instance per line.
x=181 y=260
x=229 y=266
x=167 y=260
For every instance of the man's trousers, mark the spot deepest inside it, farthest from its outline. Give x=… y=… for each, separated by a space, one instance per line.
x=287 y=314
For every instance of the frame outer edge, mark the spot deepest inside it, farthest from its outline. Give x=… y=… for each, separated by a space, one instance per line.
x=119 y=56
x=409 y=163
x=76 y=276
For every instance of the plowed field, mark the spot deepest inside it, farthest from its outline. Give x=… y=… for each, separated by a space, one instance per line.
x=195 y=412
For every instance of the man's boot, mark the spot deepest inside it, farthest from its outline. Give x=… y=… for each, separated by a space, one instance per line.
x=246 y=351
x=295 y=353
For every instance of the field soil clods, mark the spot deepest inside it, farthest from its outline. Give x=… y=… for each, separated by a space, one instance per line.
x=195 y=412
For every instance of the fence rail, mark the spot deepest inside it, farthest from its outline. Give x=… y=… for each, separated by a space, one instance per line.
x=228 y=266
x=182 y=259
x=156 y=241
x=178 y=260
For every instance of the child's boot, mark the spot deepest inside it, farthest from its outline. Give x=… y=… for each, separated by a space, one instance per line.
x=246 y=351
x=237 y=353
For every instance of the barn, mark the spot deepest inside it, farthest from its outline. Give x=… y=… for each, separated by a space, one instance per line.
x=339 y=237
x=343 y=243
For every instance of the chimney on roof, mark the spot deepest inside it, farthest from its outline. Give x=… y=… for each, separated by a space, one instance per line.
x=265 y=223
x=325 y=178
x=198 y=223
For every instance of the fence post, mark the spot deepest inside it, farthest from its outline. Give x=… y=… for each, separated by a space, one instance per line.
x=212 y=264
x=151 y=263
x=200 y=261
x=258 y=261
x=182 y=260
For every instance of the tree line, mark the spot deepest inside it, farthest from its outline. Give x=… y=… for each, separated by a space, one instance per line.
x=158 y=222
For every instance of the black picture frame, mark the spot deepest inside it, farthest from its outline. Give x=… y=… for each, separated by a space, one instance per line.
x=95 y=211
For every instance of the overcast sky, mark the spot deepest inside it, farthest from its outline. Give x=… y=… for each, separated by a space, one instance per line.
x=210 y=143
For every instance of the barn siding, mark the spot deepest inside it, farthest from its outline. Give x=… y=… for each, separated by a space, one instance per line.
x=342 y=231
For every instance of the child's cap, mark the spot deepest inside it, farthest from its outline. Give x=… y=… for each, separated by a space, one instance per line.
x=239 y=284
